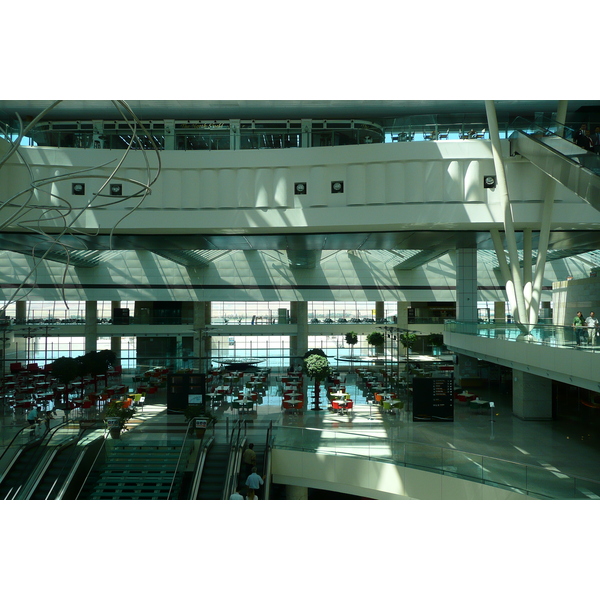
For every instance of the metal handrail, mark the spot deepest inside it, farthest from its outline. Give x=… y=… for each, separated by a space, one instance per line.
x=236 y=446
x=442 y=450
x=93 y=464
x=183 y=445
x=34 y=480
x=267 y=460
x=199 y=468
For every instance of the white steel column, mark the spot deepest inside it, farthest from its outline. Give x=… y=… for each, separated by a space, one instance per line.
x=91 y=326
x=466 y=284
x=202 y=341
x=523 y=289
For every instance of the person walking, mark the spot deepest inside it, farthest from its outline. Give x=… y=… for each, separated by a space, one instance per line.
x=32 y=416
x=253 y=482
x=592 y=324
x=579 y=324
x=237 y=495
x=248 y=460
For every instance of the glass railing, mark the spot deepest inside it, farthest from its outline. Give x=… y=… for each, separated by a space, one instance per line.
x=182 y=461
x=556 y=336
x=546 y=132
x=520 y=478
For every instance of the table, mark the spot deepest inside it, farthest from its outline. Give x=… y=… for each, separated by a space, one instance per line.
x=466 y=397
x=293 y=403
x=342 y=405
x=212 y=397
x=478 y=403
x=244 y=404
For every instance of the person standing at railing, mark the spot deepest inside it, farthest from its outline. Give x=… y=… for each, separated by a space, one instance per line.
x=579 y=324
x=592 y=325
x=596 y=140
x=579 y=135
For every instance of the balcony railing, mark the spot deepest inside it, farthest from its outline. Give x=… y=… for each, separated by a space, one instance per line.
x=520 y=478
x=558 y=336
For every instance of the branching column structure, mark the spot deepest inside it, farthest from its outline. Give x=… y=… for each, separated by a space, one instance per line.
x=523 y=287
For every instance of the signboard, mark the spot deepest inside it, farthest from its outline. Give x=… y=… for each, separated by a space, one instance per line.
x=195 y=399
x=201 y=423
x=433 y=399
x=112 y=422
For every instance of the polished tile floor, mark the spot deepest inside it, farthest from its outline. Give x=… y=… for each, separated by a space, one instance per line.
x=562 y=446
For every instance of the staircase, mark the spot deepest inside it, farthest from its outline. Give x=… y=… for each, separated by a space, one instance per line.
x=137 y=473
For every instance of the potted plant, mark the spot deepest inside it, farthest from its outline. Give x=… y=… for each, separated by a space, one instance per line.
x=351 y=340
x=435 y=339
x=116 y=414
x=66 y=369
x=316 y=366
x=376 y=339
x=408 y=339
x=97 y=363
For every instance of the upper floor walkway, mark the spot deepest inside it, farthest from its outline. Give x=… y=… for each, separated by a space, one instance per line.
x=555 y=352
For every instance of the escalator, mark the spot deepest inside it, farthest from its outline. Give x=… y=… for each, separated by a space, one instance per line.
x=59 y=468
x=547 y=145
x=214 y=473
x=27 y=451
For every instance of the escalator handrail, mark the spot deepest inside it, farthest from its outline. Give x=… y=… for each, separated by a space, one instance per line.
x=74 y=468
x=199 y=468
x=39 y=470
x=554 y=151
x=13 y=440
x=233 y=466
x=19 y=451
x=267 y=460
x=102 y=446
x=183 y=445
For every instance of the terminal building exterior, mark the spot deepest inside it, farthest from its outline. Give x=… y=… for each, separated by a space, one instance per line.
x=418 y=208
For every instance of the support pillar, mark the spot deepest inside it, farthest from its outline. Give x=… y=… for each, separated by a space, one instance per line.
x=532 y=396
x=499 y=312
x=466 y=285
x=402 y=317
x=202 y=342
x=296 y=492
x=299 y=342
x=379 y=311
x=91 y=326
x=21 y=311
x=115 y=342
x=466 y=368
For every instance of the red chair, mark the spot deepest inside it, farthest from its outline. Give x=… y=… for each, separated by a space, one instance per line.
x=16 y=367
x=335 y=405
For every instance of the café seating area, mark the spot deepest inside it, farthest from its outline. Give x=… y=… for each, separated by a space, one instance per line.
x=30 y=386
